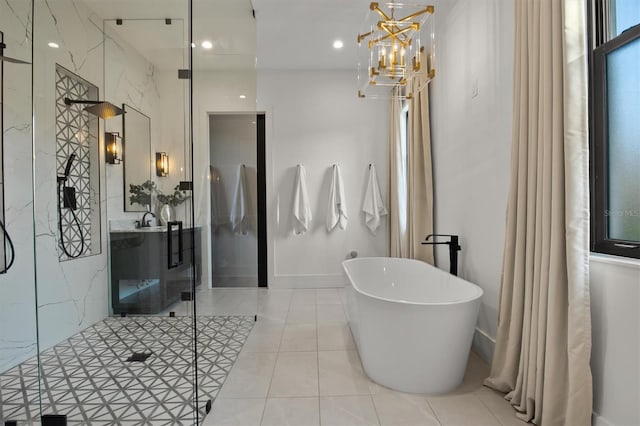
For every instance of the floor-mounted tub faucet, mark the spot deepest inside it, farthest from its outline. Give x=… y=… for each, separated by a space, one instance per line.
x=454 y=248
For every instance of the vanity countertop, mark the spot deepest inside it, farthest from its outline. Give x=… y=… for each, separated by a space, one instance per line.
x=147 y=229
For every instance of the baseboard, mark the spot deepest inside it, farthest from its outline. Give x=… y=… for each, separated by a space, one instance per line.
x=483 y=344
x=308 y=281
x=598 y=420
x=234 y=281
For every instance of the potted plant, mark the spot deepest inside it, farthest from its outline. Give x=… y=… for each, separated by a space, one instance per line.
x=169 y=202
x=142 y=194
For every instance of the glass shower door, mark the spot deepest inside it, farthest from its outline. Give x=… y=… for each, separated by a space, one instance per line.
x=19 y=390
x=115 y=276
x=225 y=172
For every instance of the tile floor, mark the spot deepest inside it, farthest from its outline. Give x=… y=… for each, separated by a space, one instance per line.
x=299 y=366
x=87 y=378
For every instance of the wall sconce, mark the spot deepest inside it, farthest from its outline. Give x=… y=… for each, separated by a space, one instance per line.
x=162 y=164
x=113 y=149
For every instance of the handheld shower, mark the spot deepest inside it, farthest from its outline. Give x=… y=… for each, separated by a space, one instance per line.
x=67 y=168
x=68 y=196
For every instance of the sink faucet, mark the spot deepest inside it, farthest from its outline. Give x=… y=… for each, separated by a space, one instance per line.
x=454 y=248
x=146 y=223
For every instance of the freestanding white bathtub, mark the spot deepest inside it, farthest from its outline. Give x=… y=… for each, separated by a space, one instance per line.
x=413 y=323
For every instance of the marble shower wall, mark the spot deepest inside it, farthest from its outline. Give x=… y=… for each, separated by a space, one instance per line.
x=73 y=294
x=158 y=93
x=17 y=286
x=129 y=79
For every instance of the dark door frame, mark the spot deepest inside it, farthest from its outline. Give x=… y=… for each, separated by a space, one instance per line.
x=262 y=200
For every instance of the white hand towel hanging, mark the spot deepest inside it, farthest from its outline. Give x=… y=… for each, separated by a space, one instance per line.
x=301 y=208
x=373 y=206
x=239 y=213
x=219 y=212
x=337 y=210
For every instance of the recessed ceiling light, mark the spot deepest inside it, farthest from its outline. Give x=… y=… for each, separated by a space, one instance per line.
x=207 y=44
x=193 y=45
x=243 y=97
x=338 y=44
x=53 y=45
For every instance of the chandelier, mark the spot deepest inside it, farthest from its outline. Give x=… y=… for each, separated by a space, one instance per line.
x=396 y=45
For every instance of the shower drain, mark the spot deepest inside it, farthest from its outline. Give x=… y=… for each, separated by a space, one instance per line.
x=139 y=357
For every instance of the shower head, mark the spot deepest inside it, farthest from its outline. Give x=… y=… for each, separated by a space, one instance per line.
x=100 y=109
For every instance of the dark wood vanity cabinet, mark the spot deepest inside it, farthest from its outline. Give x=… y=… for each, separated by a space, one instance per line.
x=151 y=269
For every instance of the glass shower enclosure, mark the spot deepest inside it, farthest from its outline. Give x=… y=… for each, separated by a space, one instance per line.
x=91 y=91
x=108 y=313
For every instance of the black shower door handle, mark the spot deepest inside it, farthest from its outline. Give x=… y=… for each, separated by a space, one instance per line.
x=170 y=258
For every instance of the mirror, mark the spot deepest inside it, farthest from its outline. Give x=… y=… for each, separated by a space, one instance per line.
x=136 y=153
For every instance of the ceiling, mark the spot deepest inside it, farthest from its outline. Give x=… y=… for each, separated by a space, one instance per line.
x=298 y=34
x=285 y=34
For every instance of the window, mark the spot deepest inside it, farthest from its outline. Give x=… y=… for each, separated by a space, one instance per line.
x=615 y=128
x=403 y=170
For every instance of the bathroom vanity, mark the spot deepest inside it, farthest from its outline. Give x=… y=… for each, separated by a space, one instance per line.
x=152 y=267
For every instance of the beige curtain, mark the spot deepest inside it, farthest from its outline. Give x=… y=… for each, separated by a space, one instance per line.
x=406 y=242
x=544 y=331
x=420 y=186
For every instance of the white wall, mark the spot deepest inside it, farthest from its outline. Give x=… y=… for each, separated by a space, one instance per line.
x=316 y=119
x=615 y=356
x=471 y=107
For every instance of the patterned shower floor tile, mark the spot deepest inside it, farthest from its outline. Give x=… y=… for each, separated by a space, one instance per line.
x=88 y=378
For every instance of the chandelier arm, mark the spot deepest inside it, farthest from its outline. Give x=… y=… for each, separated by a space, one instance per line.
x=376 y=8
x=388 y=36
x=428 y=9
x=394 y=35
x=364 y=36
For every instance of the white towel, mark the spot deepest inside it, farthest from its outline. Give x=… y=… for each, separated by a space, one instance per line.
x=373 y=206
x=301 y=208
x=337 y=210
x=219 y=212
x=239 y=221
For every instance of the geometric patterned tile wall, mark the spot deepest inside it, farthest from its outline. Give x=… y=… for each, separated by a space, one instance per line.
x=75 y=131
x=88 y=378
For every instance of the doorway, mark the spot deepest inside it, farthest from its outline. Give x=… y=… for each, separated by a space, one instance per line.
x=238 y=200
